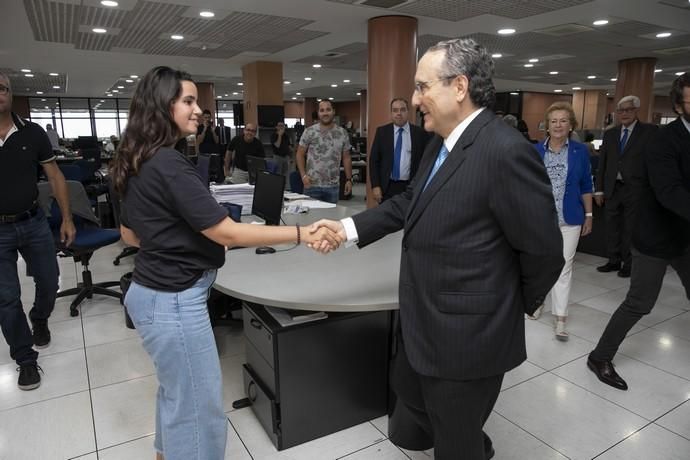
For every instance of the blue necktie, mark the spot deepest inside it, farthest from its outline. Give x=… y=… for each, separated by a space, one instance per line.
x=624 y=139
x=442 y=155
x=397 y=153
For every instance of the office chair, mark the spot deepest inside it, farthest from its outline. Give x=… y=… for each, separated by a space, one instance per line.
x=89 y=238
x=71 y=172
x=203 y=165
x=115 y=202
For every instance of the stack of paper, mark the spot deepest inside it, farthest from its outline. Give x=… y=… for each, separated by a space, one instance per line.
x=242 y=194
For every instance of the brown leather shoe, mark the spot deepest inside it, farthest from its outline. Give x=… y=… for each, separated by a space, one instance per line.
x=606 y=373
x=609 y=267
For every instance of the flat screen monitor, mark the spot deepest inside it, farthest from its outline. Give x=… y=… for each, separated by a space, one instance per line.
x=254 y=166
x=268 y=197
x=269 y=115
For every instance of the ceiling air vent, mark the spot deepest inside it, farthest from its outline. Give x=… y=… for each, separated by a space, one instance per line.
x=564 y=29
x=383 y=3
x=331 y=54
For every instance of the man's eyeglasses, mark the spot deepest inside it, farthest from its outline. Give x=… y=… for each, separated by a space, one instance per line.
x=626 y=110
x=4 y=89
x=421 y=87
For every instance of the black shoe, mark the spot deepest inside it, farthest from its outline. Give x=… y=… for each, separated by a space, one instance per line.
x=41 y=334
x=606 y=373
x=609 y=267
x=29 y=378
x=624 y=272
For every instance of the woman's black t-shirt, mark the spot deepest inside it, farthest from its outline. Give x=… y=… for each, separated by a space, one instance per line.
x=167 y=205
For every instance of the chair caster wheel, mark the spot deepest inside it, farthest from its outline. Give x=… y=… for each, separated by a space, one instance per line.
x=116 y=262
x=73 y=312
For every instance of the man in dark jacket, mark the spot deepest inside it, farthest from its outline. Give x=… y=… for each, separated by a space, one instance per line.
x=662 y=236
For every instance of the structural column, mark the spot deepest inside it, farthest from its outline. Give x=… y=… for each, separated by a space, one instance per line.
x=363 y=112
x=390 y=72
x=310 y=106
x=207 y=97
x=636 y=76
x=263 y=85
x=590 y=108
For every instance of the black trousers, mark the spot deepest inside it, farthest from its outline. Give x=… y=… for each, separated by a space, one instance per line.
x=395 y=187
x=619 y=212
x=645 y=284
x=448 y=415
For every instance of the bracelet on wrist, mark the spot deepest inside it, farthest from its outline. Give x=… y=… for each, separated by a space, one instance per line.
x=299 y=236
x=588 y=214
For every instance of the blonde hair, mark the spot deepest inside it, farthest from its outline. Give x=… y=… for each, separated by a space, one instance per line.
x=561 y=105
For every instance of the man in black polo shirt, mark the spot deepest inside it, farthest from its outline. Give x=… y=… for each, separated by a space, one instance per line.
x=239 y=149
x=24 y=230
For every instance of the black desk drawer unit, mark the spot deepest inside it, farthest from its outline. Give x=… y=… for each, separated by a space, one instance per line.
x=312 y=379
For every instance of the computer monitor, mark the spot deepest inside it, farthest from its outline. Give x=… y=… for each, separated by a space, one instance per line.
x=268 y=197
x=86 y=142
x=254 y=166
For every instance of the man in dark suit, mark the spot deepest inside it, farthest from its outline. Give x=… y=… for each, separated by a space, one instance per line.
x=224 y=135
x=618 y=179
x=662 y=235
x=395 y=153
x=481 y=248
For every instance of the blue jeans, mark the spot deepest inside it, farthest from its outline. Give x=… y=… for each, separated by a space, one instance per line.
x=33 y=240
x=327 y=194
x=176 y=332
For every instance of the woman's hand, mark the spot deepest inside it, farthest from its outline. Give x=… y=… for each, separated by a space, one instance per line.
x=586 y=226
x=322 y=240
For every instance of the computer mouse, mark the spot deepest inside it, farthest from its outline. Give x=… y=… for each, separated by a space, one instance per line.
x=265 y=250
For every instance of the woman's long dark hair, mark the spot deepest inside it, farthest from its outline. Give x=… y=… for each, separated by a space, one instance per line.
x=150 y=125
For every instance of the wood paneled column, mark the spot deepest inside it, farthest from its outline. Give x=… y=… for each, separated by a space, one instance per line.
x=636 y=77
x=263 y=85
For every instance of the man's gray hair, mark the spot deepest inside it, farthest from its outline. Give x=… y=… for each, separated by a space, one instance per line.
x=464 y=56
x=511 y=120
x=634 y=99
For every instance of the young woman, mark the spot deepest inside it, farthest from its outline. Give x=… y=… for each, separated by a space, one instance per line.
x=568 y=166
x=168 y=212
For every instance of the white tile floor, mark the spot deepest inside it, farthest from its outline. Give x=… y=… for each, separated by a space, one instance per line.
x=97 y=396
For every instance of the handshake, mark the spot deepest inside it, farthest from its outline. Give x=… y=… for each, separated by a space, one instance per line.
x=325 y=235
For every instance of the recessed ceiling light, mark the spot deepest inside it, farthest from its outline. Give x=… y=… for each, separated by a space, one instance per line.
x=557 y=90
x=110 y=95
x=286 y=82
x=505 y=31
x=299 y=94
x=207 y=14
x=115 y=91
x=346 y=81
x=98 y=30
x=234 y=93
x=591 y=77
x=529 y=65
x=600 y=22
x=614 y=79
x=56 y=87
x=225 y=95
x=30 y=75
x=514 y=93
x=217 y=97
x=134 y=76
x=330 y=98
x=129 y=81
x=658 y=70
x=553 y=72
x=43 y=100
x=576 y=88
x=240 y=84
x=334 y=85
x=39 y=92
x=307 y=78
x=294 y=98
x=121 y=87
x=318 y=99
x=496 y=55
x=534 y=60
x=26 y=70
x=359 y=94
x=102 y=100
x=53 y=74
x=316 y=66
x=680 y=73
x=46 y=107
x=663 y=35
x=109 y=3
x=177 y=37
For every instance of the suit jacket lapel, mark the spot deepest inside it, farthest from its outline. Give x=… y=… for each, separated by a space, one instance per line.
x=455 y=159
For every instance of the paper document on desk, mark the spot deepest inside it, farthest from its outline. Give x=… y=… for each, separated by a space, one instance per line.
x=314 y=204
x=242 y=194
x=292 y=196
x=287 y=317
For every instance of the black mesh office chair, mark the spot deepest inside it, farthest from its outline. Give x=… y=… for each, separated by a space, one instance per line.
x=115 y=202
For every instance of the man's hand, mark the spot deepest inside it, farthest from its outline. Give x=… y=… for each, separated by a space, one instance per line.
x=378 y=195
x=306 y=181
x=586 y=227
x=348 y=187
x=322 y=239
x=332 y=225
x=67 y=232
x=599 y=200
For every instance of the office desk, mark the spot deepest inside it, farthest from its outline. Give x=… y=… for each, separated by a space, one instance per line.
x=312 y=379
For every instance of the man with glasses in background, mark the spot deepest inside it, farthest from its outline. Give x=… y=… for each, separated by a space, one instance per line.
x=24 y=231
x=242 y=146
x=618 y=179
